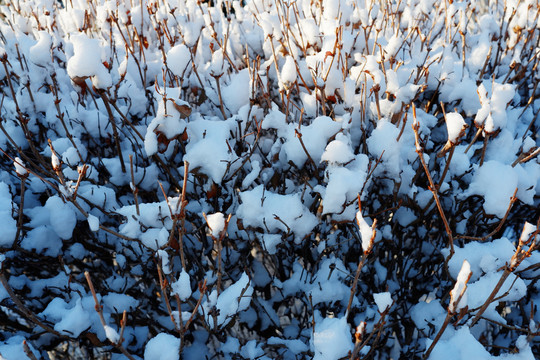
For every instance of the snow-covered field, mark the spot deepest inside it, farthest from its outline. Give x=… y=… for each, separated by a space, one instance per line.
x=269 y=179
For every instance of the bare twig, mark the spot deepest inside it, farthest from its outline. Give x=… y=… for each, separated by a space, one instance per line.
x=361 y=262
x=432 y=186
x=99 y=310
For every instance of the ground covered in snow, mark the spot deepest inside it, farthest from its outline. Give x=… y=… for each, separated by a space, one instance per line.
x=269 y=179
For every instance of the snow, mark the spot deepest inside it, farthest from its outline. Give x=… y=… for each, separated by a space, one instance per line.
x=111 y=334
x=271 y=241
x=216 y=223
x=338 y=151
x=20 y=167
x=119 y=303
x=163 y=346
x=12 y=348
x=178 y=58
x=344 y=184
x=208 y=149
x=168 y=121
x=327 y=286
x=288 y=72
x=383 y=301
x=464 y=91
x=528 y=144
x=366 y=232
x=463 y=345
x=314 y=137
x=482 y=257
x=62 y=217
x=40 y=53
x=93 y=222
x=155 y=238
x=43 y=239
x=404 y=216
x=182 y=287
x=484 y=261
x=237 y=93
x=253 y=174
x=496 y=182
x=262 y=208
x=528 y=229
x=288 y=113
x=73 y=318
x=493 y=112
x=455 y=126
x=478 y=292
x=331 y=339
x=295 y=346
x=55 y=161
x=459 y=288
x=232 y=300
x=383 y=142
x=165 y=261
x=427 y=315
x=86 y=61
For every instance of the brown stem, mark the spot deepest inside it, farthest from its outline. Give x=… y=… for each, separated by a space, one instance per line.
x=99 y=310
x=20 y=116
x=182 y=215
x=163 y=287
x=106 y=102
x=202 y=291
x=60 y=115
x=221 y=107
x=491 y=296
x=486 y=138
x=376 y=332
x=432 y=187
x=361 y=263
x=446 y=166
x=82 y=174
x=526 y=158
x=28 y=352
x=478 y=132
x=21 y=208
x=316 y=169
x=513 y=199
x=439 y=334
x=219 y=244
x=134 y=188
